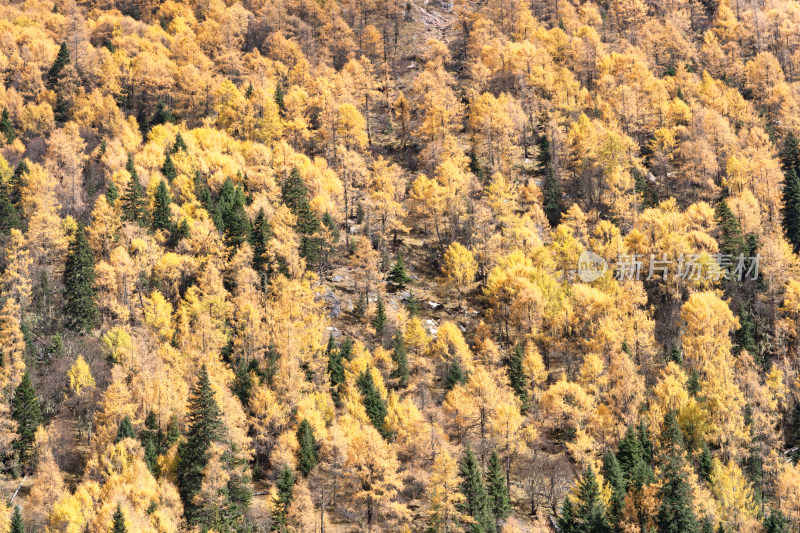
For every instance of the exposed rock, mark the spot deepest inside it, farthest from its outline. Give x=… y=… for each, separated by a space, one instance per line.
x=334 y=304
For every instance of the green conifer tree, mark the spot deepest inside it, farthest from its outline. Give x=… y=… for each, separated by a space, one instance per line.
x=567 y=523
x=7 y=127
x=335 y=368
x=125 y=430
x=295 y=196
x=168 y=168
x=259 y=241
x=730 y=237
x=27 y=413
x=675 y=514
x=380 y=319
x=118 y=522
x=398 y=274
x=179 y=144
x=236 y=225
x=307 y=457
x=400 y=357
x=243 y=382
x=279 y=97
x=80 y=310
x=53 y=78
x=162 y=115
x=161 y=211
x=17 y=524
x=476 y=500
x=374 y=404
x=551 y=185
x=112 y=193
x=516 y=375
x=591 y=511
x=497 y=488
x=612 y=472
x=705 y=463
x=455 y=375
x=283 y=500
x=790 y=211
x=412 y=304
x=776 y=522
x=134 y=203
x=9 y=218
x=204 y=427
x=346 y=348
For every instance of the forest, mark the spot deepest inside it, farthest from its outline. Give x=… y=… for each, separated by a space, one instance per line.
x=419 y=266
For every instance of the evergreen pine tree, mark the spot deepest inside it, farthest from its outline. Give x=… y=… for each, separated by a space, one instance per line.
x=551 y=193
x=249 y=92
x=204 y=427
x=567 y=523
x=776 y=522
x=360 y=307
x=706 y=526
x=412 y=305
x=497 y=489
x=591 y=511
x=455 y=375
x=676 y=354
x=335 y=369
x=705 y=463
x=9 y=218
x=259 y=241
x=398 y=274
x=7 y=127
x=730 y=237
x=790 y=155
x=693 y=383
x=134 y=203
x=295 y=196
x=17 y=524
x=374 y=404
x=612 y=472
x=162 y=115
x=161 y=211
x=243 y=382
x=118 y=522
x=307 y=457
x=516 y=375
x=179 y=232
x=168 y=168
x=79 y=306
x=236 y=225
x=112 y=193
x=380 y=319
x=400 y=357
x=125 y=430
x=346 y=348
x=675 y=514
x=27 y=413
x=279 y=97
x=551 y=186
x=476 y=500
x=179 y=144
x=54 y=74
x=630 y=454
x=283 y=500
x=151 y=458
x=790 y=211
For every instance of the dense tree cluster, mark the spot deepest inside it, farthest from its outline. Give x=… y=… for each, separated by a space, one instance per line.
x=304 y=266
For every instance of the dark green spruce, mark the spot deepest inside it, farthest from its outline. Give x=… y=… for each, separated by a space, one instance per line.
x=80 y=310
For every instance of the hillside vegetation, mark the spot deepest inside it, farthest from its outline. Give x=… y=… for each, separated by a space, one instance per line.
x=320 y=265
